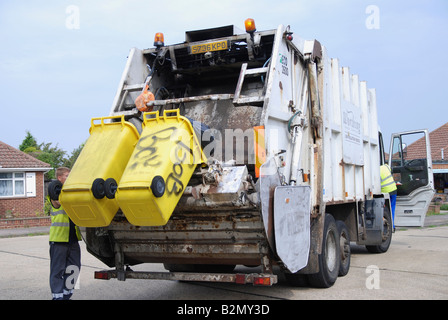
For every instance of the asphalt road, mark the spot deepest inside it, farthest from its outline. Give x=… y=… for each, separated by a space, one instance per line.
x=415 y=267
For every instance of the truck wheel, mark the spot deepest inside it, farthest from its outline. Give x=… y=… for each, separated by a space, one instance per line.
x=54 y=189
x=387 y=234
x=329 y=259
x=296 y=280
x=344 y=242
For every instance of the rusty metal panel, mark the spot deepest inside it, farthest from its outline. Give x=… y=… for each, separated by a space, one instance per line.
x=235 y=237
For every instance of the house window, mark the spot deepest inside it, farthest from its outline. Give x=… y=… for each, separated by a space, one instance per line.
x=12 y=184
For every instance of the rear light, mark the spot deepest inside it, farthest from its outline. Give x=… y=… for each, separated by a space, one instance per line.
x=262 y=281
x=240 y=279
x=250 y=25
x=102 y=275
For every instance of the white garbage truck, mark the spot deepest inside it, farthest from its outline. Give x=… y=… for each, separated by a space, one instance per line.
x=238 y=148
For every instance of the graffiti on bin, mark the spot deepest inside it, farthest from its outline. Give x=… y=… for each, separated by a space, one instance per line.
x=150 y=152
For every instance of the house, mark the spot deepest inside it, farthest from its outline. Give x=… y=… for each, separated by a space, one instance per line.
x=439 y=151
x=21 y=189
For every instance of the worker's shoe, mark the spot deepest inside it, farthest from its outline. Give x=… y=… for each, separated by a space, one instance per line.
x=67 y=294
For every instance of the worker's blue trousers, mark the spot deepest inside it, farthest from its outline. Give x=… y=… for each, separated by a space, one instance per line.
x=65 y=264
x=393 y=201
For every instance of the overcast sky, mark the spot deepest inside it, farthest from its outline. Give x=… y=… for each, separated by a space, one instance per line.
x=58 y=71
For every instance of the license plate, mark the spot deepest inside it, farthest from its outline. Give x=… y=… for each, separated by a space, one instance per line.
x=208 y=47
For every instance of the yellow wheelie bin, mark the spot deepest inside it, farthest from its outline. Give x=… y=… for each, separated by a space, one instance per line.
x=88 y=194
x=159 y=169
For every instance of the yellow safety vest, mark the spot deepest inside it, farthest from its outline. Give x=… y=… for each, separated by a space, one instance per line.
x=387 y=180
x=60 y=225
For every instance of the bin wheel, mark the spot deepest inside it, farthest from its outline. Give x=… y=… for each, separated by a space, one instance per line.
x=158 y=186
x=98 y=188
x=110 y=187
x=54 y=189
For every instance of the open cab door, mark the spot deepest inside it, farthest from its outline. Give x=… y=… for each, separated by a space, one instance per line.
x=411 y=164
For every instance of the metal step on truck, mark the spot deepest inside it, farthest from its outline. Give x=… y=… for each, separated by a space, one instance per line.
x=234 y=148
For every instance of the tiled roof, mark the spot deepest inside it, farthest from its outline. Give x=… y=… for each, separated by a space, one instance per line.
x=438 y=140
x=12 y=158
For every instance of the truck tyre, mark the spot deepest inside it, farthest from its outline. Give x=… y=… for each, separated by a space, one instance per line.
x=344 y=242
x=329 y=259
x=296 y=280
x=387 y=234
x=54 y=189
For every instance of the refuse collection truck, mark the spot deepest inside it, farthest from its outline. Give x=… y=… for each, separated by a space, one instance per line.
x=252 y=149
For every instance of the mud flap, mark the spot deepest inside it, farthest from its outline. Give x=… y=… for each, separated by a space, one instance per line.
x=292 y=207
x=374 y=221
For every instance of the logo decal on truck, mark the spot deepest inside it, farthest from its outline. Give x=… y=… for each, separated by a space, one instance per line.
x=352 y=134
x=284 y=62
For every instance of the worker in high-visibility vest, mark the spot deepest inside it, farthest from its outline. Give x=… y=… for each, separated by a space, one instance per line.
x=65 y=253
x=389 y=186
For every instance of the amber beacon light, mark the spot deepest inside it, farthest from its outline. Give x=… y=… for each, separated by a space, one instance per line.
x=250 y=25
x=158 y=40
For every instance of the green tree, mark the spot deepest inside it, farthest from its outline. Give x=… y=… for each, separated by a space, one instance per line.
x=69 y=163
x=50 y=154
x=54 y=154
x=29 y=144
x=44 y=152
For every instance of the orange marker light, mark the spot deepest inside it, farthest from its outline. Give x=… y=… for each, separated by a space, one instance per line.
x=250 y=25
x=259 y=148
x=262 y=281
